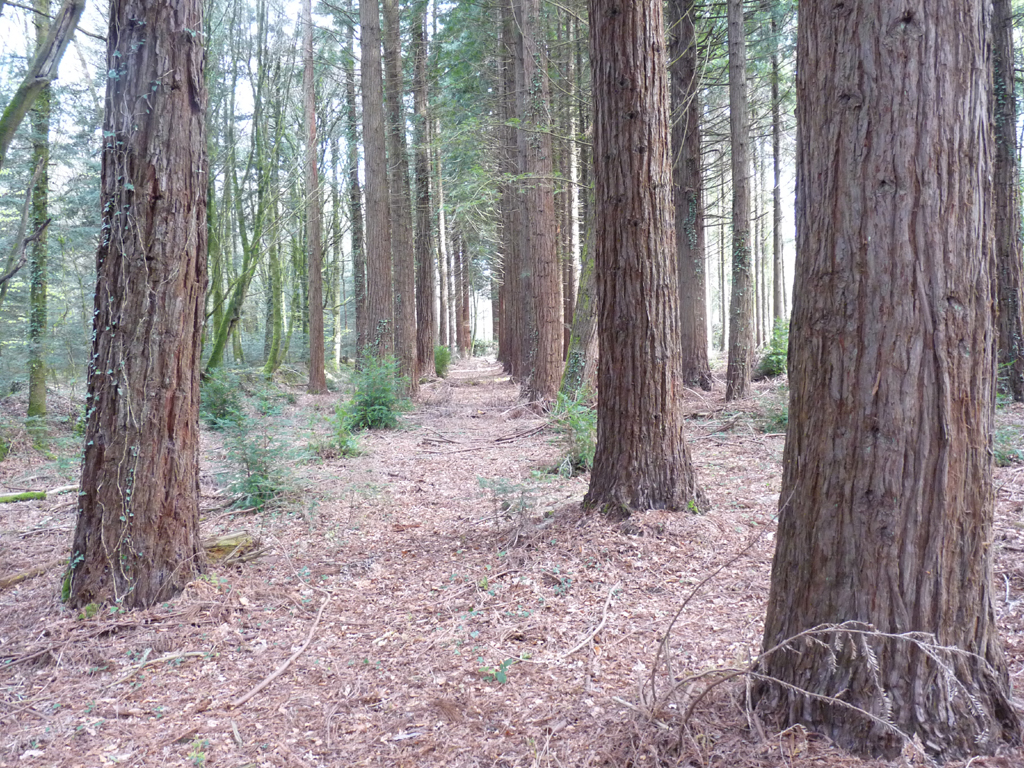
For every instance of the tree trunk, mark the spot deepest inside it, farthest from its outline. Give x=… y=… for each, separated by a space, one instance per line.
x=355 y=194
x=885 y=514
x=688 y=192
x=380 y=322
x=778 y=300
x=426 y=284
x=1007 y=203
x=37 y=263
x=314 y=246
x=136 y=542
x=641 y=461
x=402 y=247
x=581 y=360
x=41 y=73
x=737 y=377
x=539 y=206
x=444 y=329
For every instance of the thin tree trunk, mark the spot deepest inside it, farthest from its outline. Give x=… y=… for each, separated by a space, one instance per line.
x=443 y=326
x=355 y=194
x=778 y=299
x=737 y=381
x=314 y=246
x=40 y=119
x=426 y=284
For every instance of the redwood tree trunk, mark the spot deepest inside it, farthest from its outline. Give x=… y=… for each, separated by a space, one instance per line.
x=885 y=514
x=642 y=460
x=741 y=303
x=136 y=542
x=380 y=337
x=314 y=245
x=402 y=247
x=688 y=193
x=539 y=207
x=355 y=194
x=426 y=284
x=1007 y=202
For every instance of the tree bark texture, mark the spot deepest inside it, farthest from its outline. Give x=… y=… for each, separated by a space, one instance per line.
x=355 y=195
x=642 y=460
x=380 y=335
x=40 y=119
x=688 y=192
x=136 y=542
x=402 y=246
x=741 y=303
x=1007 y=203
x=539 y=206
x=426 y=283
x=885 y=514
x=314 y=242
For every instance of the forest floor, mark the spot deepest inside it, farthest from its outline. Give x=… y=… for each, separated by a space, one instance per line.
x=429 y=619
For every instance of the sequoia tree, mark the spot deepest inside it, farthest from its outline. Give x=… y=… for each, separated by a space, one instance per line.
x=380 y=336
x=688 y=192
x=1007 y=202
x=136 y=541
x=641 y=460
x=883 y=555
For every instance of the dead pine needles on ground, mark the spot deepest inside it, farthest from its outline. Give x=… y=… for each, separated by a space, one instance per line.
x=439 y=599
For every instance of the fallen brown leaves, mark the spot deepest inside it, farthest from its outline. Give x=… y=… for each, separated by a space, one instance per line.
x=372 y=628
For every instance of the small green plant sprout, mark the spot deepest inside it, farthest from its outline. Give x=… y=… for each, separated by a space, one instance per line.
x=576 y=422
x=442 y=360
x=220 y=402
x=498 y=674
x=261 y=464
x=197 y=753
x=773 y=361
x=379 y=395
x=340 y=442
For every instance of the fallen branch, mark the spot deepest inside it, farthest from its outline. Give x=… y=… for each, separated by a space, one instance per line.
x=281 y=669
x=26 y=496
x=594 y=632
x=31 y=573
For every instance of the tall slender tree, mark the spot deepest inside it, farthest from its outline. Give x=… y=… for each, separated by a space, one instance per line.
x=426 y=283
x=136 y=541
x=317 y=384
x=539 y=204
x=1010 y=275
x=881 y=605
x=402 y=247
x=380 y=336
x=40 y=120
x=737 y=382
x=688 y=194
x=642 y=460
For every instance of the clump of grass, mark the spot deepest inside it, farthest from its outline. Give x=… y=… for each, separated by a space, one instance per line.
x=442 y=360
x=576 y=422
x=379 y=396
x=773 y=361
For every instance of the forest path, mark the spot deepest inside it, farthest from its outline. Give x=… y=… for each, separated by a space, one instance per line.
x=431 y=626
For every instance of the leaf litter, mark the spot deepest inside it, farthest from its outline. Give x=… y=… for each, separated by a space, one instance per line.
x=440 y=600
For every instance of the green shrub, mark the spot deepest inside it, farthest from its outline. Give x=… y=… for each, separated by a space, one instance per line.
x=442 y=359
x=1008 y=446
x=576 y=421
x=220 y=402
x=773 y=361
x=482 y=348
x=259 y=460
x=378 y=396
x=340 y=442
